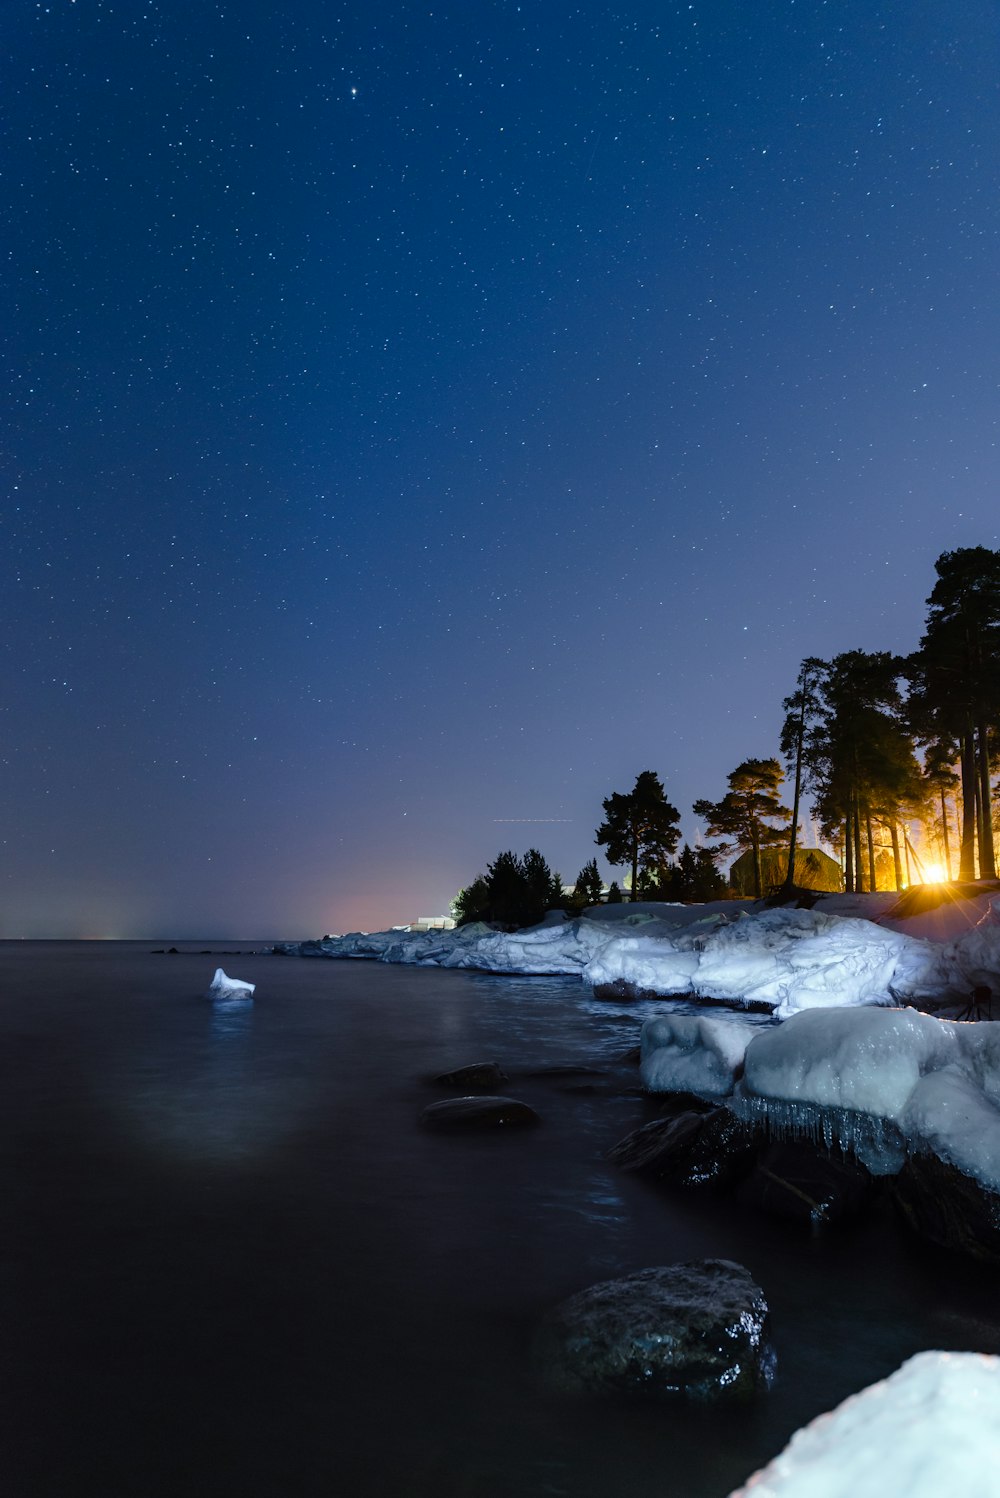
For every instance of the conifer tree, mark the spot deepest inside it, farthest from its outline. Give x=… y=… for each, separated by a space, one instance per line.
x=640 y=829
x=861 y=758
x=956 y=686
x=747 y=810
x=589 y=886
x=802 y=709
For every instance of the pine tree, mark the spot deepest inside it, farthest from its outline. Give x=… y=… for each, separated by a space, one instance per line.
x=860 y=756
x=956 y=686
x=640 y=829
x=589 y=886
x=801 y=709
x=747 y=810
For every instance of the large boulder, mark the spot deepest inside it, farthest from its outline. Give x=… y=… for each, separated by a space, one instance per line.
x=693 y=1148
x=696 y=1330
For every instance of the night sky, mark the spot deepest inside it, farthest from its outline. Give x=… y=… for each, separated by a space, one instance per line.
x=421 y=419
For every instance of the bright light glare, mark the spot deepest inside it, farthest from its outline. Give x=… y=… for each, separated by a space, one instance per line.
x=935 y=873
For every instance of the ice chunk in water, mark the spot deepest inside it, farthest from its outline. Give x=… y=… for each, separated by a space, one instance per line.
x=224 y=987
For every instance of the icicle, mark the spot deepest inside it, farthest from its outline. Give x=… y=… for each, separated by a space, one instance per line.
x=876 y=1142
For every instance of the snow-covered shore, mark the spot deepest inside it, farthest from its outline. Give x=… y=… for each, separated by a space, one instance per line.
x=844 y=951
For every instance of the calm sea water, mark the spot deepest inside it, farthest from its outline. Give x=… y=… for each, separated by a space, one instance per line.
x=233 y=1264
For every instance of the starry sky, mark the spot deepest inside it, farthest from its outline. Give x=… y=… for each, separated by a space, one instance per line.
x=421 y=419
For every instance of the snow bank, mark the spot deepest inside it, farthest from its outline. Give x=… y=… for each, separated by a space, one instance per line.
x=932 y=1428
x=784 y=960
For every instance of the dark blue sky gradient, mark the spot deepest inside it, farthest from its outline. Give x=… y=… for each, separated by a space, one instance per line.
x=421 y=420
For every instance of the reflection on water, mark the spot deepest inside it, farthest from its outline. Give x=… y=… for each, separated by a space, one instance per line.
x=236 y=1260
x=231 y=1018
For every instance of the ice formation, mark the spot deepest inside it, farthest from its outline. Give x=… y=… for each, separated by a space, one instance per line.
x=880 y=1082
x=694 y=1053
x=931 y=1429
x=223 y=987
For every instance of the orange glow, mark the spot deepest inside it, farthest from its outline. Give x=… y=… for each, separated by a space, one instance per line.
x=935 y=873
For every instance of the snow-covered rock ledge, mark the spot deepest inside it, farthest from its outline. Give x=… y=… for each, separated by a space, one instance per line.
x=784 y=960
x=882 y=1083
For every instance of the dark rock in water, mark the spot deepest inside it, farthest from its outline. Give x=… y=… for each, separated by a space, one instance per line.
x=480 y=1076
x=711 y=1148
x=623 y=992
x=478 y=1113
x=697 y=1330
x=947 y=1208
x=807 y=1184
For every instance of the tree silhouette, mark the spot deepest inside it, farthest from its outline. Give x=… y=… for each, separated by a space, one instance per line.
x=955 y=678
x=589 y=886
x=640 y=829
x=747 y=810
x=801 y=709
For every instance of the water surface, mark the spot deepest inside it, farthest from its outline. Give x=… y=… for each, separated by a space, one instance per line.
x=234 y=1265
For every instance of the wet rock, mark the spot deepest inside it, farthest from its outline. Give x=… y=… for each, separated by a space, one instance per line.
x=695 y=1330
x=691 y=1148
x=805 y=1184
x=478 y=1113
x=479 y=1077
x=947 y=1208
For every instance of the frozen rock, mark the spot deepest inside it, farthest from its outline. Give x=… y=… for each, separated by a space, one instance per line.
x=694 y=1053
x=223 y=987
x=866 y=1062
x=931 y=1429
x=697 y=1330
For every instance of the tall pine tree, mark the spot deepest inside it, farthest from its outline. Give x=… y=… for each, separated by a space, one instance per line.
x=640 y=829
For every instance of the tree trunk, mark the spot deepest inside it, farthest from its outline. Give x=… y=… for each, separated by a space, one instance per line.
x=967 y=856
x=897 y=862
x=848 y=853
x=987 y=859
x=872 y=877
x=635 y=871
x=800 y=738
x=859 y=881
x=944 y=833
